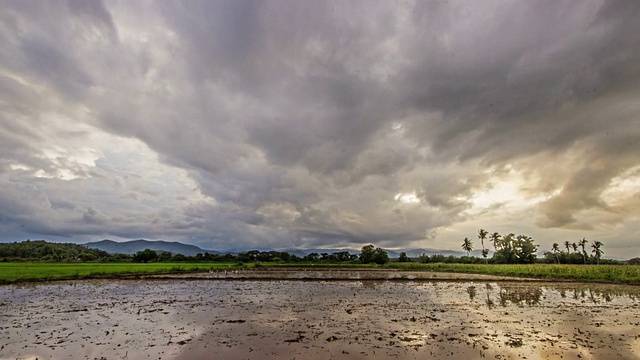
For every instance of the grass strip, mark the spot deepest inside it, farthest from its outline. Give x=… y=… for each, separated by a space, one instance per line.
x=623 y=274
x=44 y=271
x=619 y=274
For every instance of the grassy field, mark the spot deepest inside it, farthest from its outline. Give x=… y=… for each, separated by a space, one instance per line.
x=40 y=271
x=34 y=271
x=624 y=274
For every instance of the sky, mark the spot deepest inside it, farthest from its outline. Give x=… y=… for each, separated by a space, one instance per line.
x=320 y=124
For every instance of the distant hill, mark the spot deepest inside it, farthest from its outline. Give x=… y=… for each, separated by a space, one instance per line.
x=132 y=247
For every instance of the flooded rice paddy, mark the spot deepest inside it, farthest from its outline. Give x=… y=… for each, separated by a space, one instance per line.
x=218 y=317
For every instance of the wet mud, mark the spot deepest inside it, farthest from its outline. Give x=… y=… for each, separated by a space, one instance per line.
x=292 y=319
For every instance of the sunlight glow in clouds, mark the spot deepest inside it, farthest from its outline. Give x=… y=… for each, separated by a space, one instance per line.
x=407 y=198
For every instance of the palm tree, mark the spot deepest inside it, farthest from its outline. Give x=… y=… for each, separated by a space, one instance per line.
x=575 y=247
x=495 y=239
x=597 y=252
x=555 y=248
x=583 y=244
x=566 y=245
x=467 y=245
x=482 y=235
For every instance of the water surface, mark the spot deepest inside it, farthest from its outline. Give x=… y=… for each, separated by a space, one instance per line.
x=186 y=319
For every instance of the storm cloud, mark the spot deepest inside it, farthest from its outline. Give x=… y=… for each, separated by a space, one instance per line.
x=237 y=124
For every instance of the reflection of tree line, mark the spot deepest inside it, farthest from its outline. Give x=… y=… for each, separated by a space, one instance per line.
x=532 y=295
x=597 y=296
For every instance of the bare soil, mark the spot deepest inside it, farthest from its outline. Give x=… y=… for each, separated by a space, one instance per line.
x=350 y=317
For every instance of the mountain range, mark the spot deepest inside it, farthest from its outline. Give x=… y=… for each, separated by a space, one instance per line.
x=133 y=246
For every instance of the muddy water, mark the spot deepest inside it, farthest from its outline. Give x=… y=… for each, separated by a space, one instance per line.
x=292 y=319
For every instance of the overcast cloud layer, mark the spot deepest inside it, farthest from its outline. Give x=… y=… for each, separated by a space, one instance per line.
x=236 y=124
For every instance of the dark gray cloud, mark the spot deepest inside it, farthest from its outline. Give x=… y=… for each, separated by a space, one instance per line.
x=289 y=123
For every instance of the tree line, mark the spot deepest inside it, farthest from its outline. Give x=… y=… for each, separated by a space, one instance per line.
x=508 y=249
x=40 y=250
x=368 y=254
x=576 y=253
x=46 y=251
x=521 y=249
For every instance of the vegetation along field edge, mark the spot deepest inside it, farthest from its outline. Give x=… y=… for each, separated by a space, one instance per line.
x=37 y=271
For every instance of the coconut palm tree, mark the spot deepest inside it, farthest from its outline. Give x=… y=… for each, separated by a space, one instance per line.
x=566 y=245
x=555 y=248
x=575 y=247
x=482 y=235
x=583 y=244
x=495 y=239
x=467 y=245
x=597 y=252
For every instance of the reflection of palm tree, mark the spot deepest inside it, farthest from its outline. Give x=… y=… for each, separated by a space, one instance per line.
x=555 y=250
x=467 y=245
x=597 y=252
x=489 y=302
x=583 y=244
x=471 y=290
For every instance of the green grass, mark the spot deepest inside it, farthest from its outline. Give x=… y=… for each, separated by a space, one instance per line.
x=42 y=271
x=622 y=274
x=625 y=274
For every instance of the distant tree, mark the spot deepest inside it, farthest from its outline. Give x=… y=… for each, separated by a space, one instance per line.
x=341 y=256
x=179 y=258
x=555 y=248
x=370 y=254
x=403 y=257
x=366 y=254
x=575 y=247
x=516 y=250
x=495 y=238
x=482 y=235
x=597 y=251
x=526 y=249
x=164 y=256
x=120 y=258
x=566 y=245
x=583 y=243
x=467 y=245
x=145 y=256
x=84 y=257
x=312 y=257
x=424 y=259
x=380 y=256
